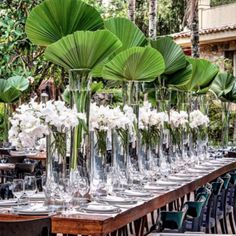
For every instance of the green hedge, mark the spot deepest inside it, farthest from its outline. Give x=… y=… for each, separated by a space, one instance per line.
x=221 y=2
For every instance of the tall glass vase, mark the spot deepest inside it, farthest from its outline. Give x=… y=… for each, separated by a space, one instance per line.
x=131 y=97
x=98 y=149
x=79 y=87
x=225 y=124
x=6 y=125
x=56 y=156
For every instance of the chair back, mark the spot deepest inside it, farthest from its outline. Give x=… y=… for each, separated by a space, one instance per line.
x=35 y=227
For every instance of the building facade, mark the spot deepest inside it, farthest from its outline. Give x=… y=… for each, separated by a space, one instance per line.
x=217 y=29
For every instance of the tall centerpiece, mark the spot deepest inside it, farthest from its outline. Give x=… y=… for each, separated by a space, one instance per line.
x=132 y=66
x=74 y=44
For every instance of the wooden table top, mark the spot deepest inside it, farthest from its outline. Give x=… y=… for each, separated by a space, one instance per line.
x=101 y=225
x=91 y=224
x=7 y=166
x=41 y=156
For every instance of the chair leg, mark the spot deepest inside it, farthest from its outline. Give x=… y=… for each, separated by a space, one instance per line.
x=222 y=226
x=232 y=223
x=225 y=224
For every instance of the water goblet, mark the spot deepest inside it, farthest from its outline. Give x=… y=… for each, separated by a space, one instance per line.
x=30 y=185
x=18 y=189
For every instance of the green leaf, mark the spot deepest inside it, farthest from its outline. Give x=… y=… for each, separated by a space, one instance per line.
x=83 y=49
x=180 y=78
x=223 y=84
x=128 y=33
x=172 y=53
x=137 y=63
x=203 y=73
x=12 y=88
x=54 y=19
x=19 y=83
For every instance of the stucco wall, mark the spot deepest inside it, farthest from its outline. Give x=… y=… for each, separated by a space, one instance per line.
x=218 y=16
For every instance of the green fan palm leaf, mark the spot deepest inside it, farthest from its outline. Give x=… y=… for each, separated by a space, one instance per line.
x=223 y=84
x=83 y=49
x=181 y=77
x=172 y=53
x=128 y=33
x=203 y=73
x=135 y=64
x=54 y=19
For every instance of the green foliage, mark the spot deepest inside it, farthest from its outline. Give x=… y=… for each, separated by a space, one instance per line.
x=170 y=16
x=1 y=122
x=54 y=19
x=172 y=53
x=17 y=55
x=203 y=73
x=223 y=85
x=135 y=64
x=221 y=2
x=128 y=33
x=83 y=49
x=12 y=88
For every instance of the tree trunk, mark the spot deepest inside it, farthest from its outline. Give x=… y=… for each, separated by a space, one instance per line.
x=152 y=30
x=131 y=10
x=195 y=30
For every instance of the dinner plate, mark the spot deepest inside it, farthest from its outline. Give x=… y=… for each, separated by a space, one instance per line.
x=134 y=193
x=17 y=153
x=155 y=187
x=198 y=171
x=99 y=208
x=38 y=197
x=179 y=178
x=10 y=203
x=167 y=183
x=32 y=210
x=117 y=200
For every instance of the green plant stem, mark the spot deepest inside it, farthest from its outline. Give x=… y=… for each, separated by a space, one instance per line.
x=80 y=96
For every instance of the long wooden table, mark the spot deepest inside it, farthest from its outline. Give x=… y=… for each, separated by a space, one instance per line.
x=103 y=224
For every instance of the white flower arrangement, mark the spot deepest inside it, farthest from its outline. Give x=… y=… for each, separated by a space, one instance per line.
x=34 y=121
x=106 y=118
x=149 y=117
x=178 y=119
x=198 y=120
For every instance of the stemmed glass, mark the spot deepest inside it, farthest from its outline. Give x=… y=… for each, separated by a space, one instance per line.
x=30 y=186
x=67 y=191
x=83 y=187
x=18 y=189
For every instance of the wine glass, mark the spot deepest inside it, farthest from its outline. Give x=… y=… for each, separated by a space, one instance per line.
x=67 y=190
x=18 y=188
x=83 y=187
x=30 y=185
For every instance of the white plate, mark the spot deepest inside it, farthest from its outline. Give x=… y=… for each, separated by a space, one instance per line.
x=17 y=153
x=155 y=187
x=99 y=208
x=179 y=178
x=10 y=203
x=133 y=193
x=167 y=183
x=32 y=210
x=118 y=200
